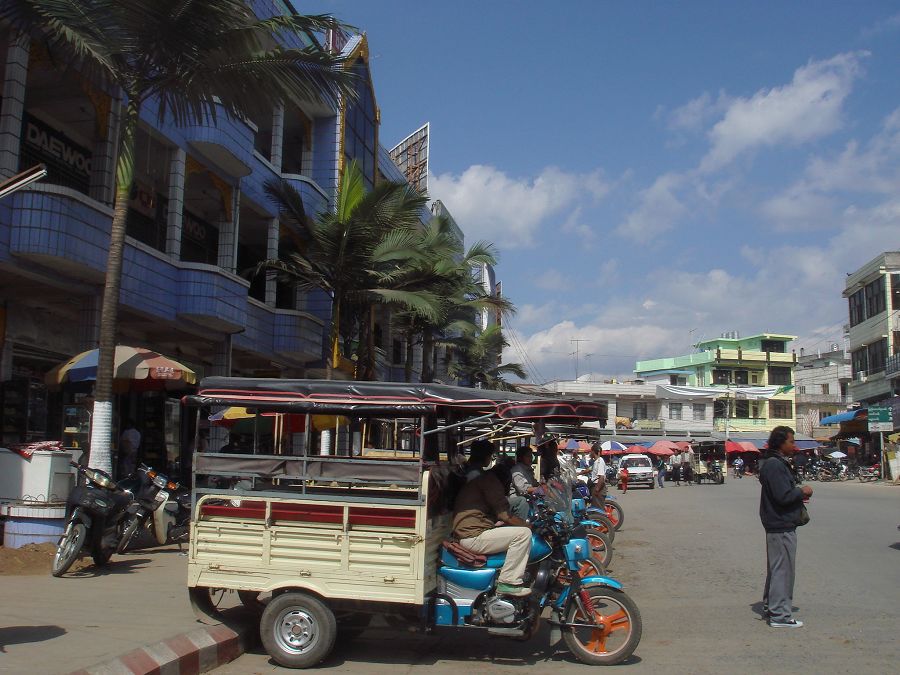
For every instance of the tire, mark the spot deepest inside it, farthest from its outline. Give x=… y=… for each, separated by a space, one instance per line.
x=68 y=548
x=615 y=513
x=591 y=646
x=601 y=547
x=131 y=527
x=297 y=630
x=606 y=525
x=586 y=568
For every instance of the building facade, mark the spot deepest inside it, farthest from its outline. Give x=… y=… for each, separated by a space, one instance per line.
x=822 y=383
x=873 y=298
x=199 y=222
x=731 y=362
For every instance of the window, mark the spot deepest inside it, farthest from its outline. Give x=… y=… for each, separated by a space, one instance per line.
x=780 y=410
x=773 y=346
x=699 y=412
x=721 y=376
x=674 y=411
x=741 y=377
x=742 y=409
x=720 y=408
x=895 y=291
x=877 y=355
x=875 y=297
x=701 y=378
x=754 y=379
x=677 y=380
x=859 y=361
x=640 y=411
x=756 y=409
x=779 y=375
x=397 y=356
x=801 y=389
x=360 y=127
x=857 y=308
x=825 y=388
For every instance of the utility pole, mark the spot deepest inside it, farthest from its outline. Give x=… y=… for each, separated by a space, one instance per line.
x=576 y=341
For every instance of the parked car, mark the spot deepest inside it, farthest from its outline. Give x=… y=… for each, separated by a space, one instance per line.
x=640 y=470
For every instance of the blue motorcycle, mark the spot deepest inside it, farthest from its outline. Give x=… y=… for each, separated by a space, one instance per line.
x=599 y=622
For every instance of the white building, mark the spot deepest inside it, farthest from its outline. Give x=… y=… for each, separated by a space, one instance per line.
x=822 y=380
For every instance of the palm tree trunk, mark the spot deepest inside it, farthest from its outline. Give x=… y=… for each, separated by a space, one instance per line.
x=370 y=345
x=407 y=367
x=334 y=350
x=428 y=354
x=100 y=454
x=359 y=373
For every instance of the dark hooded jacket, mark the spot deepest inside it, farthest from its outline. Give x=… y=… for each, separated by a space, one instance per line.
x=780 y=500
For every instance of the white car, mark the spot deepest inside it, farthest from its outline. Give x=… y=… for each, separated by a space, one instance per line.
x=640 y=470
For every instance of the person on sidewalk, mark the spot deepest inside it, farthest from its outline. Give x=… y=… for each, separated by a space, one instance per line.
x=597 y=477
x=480 y=504
x=129 y=445
x=780 y=509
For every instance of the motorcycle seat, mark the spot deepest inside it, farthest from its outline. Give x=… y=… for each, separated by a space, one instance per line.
x=469 y=559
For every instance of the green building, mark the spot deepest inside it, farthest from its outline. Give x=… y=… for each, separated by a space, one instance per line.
x=730 y=362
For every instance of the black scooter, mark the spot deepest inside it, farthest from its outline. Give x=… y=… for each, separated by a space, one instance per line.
x=95 y=510
x=151 y=491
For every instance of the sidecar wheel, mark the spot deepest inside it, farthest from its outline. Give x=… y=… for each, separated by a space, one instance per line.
x=617 y=632
x=297 y=630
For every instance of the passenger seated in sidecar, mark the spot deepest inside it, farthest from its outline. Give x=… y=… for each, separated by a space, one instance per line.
x=480 y=504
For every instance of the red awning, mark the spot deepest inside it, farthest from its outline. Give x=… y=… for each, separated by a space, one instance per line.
x=732 y=447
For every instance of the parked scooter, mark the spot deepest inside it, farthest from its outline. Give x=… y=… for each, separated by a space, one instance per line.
x=96 y=511
x=869 y=473
x=151 y=491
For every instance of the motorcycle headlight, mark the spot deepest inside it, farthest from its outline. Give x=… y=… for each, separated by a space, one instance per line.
x=160 y=481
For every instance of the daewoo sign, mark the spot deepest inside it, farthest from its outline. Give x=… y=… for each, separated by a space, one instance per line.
x=68 y=162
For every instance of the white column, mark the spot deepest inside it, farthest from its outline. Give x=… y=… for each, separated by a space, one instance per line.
x=13 y=103
x=175 y=216
x=228 y=235
x=103 y=159
x=272 y=254
x=277 y=151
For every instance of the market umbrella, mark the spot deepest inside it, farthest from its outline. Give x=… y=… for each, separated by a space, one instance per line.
x=732 y=447
x=131 y=364
x=611 y=445
x=837 y=454
x=572 y=444
x=661 y=449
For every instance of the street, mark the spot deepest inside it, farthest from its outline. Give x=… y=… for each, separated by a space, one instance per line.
x=694 y=560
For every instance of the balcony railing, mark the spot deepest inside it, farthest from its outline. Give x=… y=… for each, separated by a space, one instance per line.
x=751 y=423
x=892 y=366
x=836 y=399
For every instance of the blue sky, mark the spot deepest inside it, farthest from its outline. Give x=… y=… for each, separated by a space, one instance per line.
x=652 y=173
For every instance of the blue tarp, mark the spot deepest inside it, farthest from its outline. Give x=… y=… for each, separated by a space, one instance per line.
x=842 y=417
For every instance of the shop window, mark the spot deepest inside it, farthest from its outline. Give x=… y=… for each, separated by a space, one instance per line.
x=779 y=375
x=640 y=411
x=199 y=240
x=780 y=410
x=68 y=161
x=147 y=216
x=699 y=412
x=742 y=409
x=674 y=411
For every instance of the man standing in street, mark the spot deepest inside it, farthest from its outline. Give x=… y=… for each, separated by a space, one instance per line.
x=780 y=509
x=597 y=477
x=130 y=443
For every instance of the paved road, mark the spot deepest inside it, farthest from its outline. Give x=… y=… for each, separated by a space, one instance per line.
x=693 y=558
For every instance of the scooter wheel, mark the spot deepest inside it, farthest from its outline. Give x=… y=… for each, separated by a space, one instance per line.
x=616 y=634
x=68 y=549
x=131 y=527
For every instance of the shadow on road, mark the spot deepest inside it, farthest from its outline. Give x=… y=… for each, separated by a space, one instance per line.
x=17 y=635
x=896 y=546
x=115 y=566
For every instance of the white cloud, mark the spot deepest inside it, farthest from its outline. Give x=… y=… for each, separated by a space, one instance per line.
x=659 y=209
x=696 y=114
x=552 y=280
x=887 y=25
x=489 y=204
x=807 y=108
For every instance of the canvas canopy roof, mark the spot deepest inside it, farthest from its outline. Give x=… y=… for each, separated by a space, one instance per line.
x=385 y=398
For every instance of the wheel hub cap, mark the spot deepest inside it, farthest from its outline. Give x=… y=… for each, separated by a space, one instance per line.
x=296 y=631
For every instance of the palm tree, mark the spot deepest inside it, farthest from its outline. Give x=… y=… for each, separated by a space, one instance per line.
x=354 y=254
x=195 y=58
x=479 y=360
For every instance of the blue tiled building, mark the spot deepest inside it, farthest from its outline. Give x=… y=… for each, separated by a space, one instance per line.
x=198 y=220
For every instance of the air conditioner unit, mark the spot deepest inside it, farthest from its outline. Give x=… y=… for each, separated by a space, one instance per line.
x=862 y=376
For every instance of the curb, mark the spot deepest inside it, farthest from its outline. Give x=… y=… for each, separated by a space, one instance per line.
x=191 y=653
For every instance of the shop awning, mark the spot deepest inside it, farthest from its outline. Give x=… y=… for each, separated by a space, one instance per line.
x=859 y=413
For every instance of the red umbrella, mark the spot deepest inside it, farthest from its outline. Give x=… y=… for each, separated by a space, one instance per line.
x=732 y=447
x=662 y=449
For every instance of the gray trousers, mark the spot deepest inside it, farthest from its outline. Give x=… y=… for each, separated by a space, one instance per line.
x=781 y=552
x=518 y=506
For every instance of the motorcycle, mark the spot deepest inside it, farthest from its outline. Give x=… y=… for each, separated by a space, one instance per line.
x=151 y=491
x=869 y=473
x=598 y=621
x=96 y=510
x=714 y=472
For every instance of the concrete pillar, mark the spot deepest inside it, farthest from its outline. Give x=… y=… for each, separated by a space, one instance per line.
x=271 y=254
x=175 y=217
x=13 y=103
x=277 y=137
x=103 y=159
x=89 y=322
x=228 y=235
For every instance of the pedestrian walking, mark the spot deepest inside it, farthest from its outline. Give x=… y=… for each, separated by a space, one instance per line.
x=661 y=472
x=781 y=511
x=623 y=479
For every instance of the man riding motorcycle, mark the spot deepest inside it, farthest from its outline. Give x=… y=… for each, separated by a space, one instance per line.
x=480 y=504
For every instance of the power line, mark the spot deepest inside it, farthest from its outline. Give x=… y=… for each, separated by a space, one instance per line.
x=528 y=362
